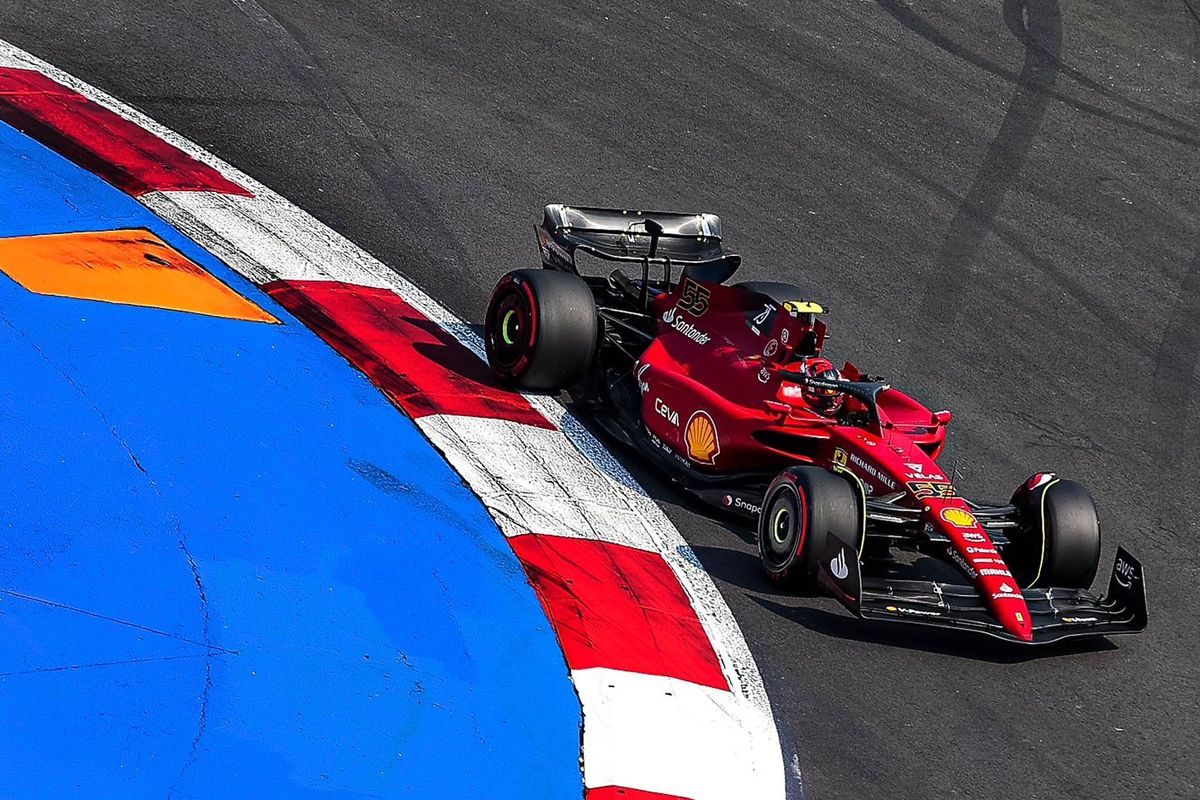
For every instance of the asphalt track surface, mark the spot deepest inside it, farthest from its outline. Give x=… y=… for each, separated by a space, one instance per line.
x=996 y=199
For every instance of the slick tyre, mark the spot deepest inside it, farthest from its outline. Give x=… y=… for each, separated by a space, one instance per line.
x=541 y=330
x=1059 y=539
x=801 y=506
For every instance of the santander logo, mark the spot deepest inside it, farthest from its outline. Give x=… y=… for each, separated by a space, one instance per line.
x=683 y=326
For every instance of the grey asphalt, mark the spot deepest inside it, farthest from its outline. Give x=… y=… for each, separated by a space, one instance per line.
x=997 y=200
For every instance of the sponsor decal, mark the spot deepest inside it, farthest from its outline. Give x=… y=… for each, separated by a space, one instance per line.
x=922 y=490
x=764 y=375
x=967 y=569
x=973 y=536
x=762 y=320
x=681 y=325
x=959 y=518
x=771 y=349
x=874 y=472
x=701 y=438
x=727 y=500
x=1020 y=618
x=997 y=573
x=915 y=612
x=643 y=385
x=916 y=473
x=839 y=457
x=1041 y=479
x=693 y=298
x=742 y=504
x=1004 y=587
x=784 y=336
x=791 y=391
x=988 y=550
x=1078 y=620
x=666 y=413
x=666 y=448
x=976 y=560
x=552 y=251
x=822 y=383
x=1124 y=572
x=837 y=567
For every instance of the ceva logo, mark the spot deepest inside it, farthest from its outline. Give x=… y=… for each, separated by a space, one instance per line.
x=666 y=413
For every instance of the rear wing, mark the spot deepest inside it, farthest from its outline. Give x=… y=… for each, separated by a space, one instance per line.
x=622 y=235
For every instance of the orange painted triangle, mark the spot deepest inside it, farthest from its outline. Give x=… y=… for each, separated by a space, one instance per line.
x=132 y=267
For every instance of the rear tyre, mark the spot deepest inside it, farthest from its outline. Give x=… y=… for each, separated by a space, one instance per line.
x=1058 y=542
x=541 y=330
x=801 y=506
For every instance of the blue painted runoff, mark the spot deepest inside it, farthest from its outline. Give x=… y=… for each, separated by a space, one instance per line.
x=230 y=568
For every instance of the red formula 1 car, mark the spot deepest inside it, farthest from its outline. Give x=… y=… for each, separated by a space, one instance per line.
x=725 y=389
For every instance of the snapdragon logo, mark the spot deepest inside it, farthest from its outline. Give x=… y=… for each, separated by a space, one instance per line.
x=683 y=326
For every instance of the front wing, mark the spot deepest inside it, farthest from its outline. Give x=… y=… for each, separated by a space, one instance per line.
x=1056 y=614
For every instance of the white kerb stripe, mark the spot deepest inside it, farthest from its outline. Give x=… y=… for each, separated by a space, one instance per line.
x=673 y=737
x=267 y=238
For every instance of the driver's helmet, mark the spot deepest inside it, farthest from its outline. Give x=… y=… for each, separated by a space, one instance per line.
x=822 y=400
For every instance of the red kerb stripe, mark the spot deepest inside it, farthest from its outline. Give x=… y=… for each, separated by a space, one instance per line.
x=620 y=793
x=423 y=369
x=99 y=140
x=618 y=607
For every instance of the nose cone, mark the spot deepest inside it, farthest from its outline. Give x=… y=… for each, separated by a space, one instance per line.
x=1013 y=614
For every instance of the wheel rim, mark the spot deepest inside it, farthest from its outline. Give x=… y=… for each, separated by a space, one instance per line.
x=511 y=334
x=781 y=531
x=779 y=525
x=510 y=327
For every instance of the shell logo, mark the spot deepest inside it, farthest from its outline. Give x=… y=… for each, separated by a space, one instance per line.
x=959 y=518
x=701 y=438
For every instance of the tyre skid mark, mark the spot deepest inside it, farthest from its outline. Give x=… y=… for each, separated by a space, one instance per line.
x=1002 y=164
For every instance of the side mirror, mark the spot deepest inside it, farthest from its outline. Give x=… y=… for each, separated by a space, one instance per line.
x=942 y=418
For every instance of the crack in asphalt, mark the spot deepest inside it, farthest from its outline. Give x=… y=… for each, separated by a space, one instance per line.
x=100 y=664
x=210 y=649
x=18 y=595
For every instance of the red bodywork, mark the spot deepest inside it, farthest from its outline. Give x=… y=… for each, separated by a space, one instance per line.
x=714 y=394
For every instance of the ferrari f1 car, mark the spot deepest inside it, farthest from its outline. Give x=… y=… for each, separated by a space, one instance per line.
x=725 y=389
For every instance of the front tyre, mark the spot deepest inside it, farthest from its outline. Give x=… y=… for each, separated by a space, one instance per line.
x=801 y=506
x=1058 y=541
x=541 y=329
